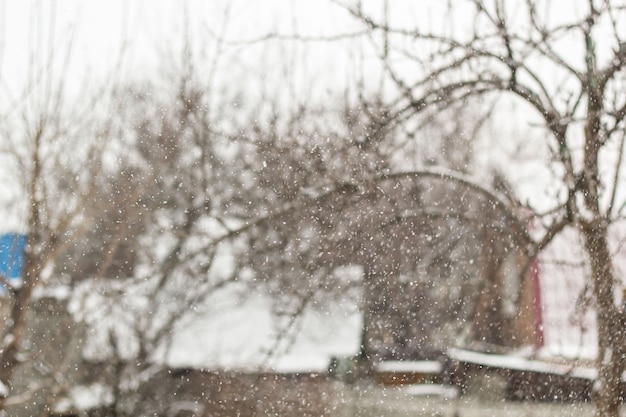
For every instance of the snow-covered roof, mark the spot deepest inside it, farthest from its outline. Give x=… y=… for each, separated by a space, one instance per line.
x=427 y=367
x=444 y=391
x=519 y=363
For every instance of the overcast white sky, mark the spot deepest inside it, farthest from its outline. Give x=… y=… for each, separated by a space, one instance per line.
x=31 y=32
x=30 y=29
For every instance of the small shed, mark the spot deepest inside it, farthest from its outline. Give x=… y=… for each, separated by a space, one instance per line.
x=517 y=378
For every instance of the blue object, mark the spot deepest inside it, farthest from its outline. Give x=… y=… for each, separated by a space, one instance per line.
x=12 y=255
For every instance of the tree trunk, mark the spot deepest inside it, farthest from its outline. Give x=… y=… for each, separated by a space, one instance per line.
x=611 y=349
x=18 y=327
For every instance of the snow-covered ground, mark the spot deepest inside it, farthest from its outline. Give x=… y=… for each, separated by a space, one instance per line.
x=242 y=335
x=395 y=402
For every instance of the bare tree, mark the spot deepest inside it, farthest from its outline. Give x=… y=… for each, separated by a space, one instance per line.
x=53 y=151
x=517 y=49
x=357 y=191
x=162 y=205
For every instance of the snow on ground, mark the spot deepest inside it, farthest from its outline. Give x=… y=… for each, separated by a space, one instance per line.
x=84 y=397
x=242 y=335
